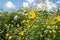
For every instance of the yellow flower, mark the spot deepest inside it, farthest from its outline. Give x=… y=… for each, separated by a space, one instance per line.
x=31 y=15
x=10 y=37
x=53 y=31
x=28 y=26
x=7 y=34
x=22 y=33
x=23 y=21
x=58 y=18
x=5 y=25
x=39 y=9
x=52 y=22
x=24 y=10
x=48 y=27
x=27 y=21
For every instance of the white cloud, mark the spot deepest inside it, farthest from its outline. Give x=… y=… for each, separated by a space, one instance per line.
x=9 y=4
x=30 y=1
x=58 y=1
x=41 y=5
x=34 y=4
x=54 y=5
x=48 y=6
x=25 y=4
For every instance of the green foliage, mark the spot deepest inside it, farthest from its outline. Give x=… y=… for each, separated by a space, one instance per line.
x=16 y=25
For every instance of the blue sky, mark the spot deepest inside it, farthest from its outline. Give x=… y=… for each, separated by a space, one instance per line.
x=17 y=3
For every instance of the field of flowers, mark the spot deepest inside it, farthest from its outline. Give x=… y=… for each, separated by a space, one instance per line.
x=30 y=25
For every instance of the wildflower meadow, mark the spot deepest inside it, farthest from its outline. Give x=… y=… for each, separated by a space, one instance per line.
x=30 y=24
